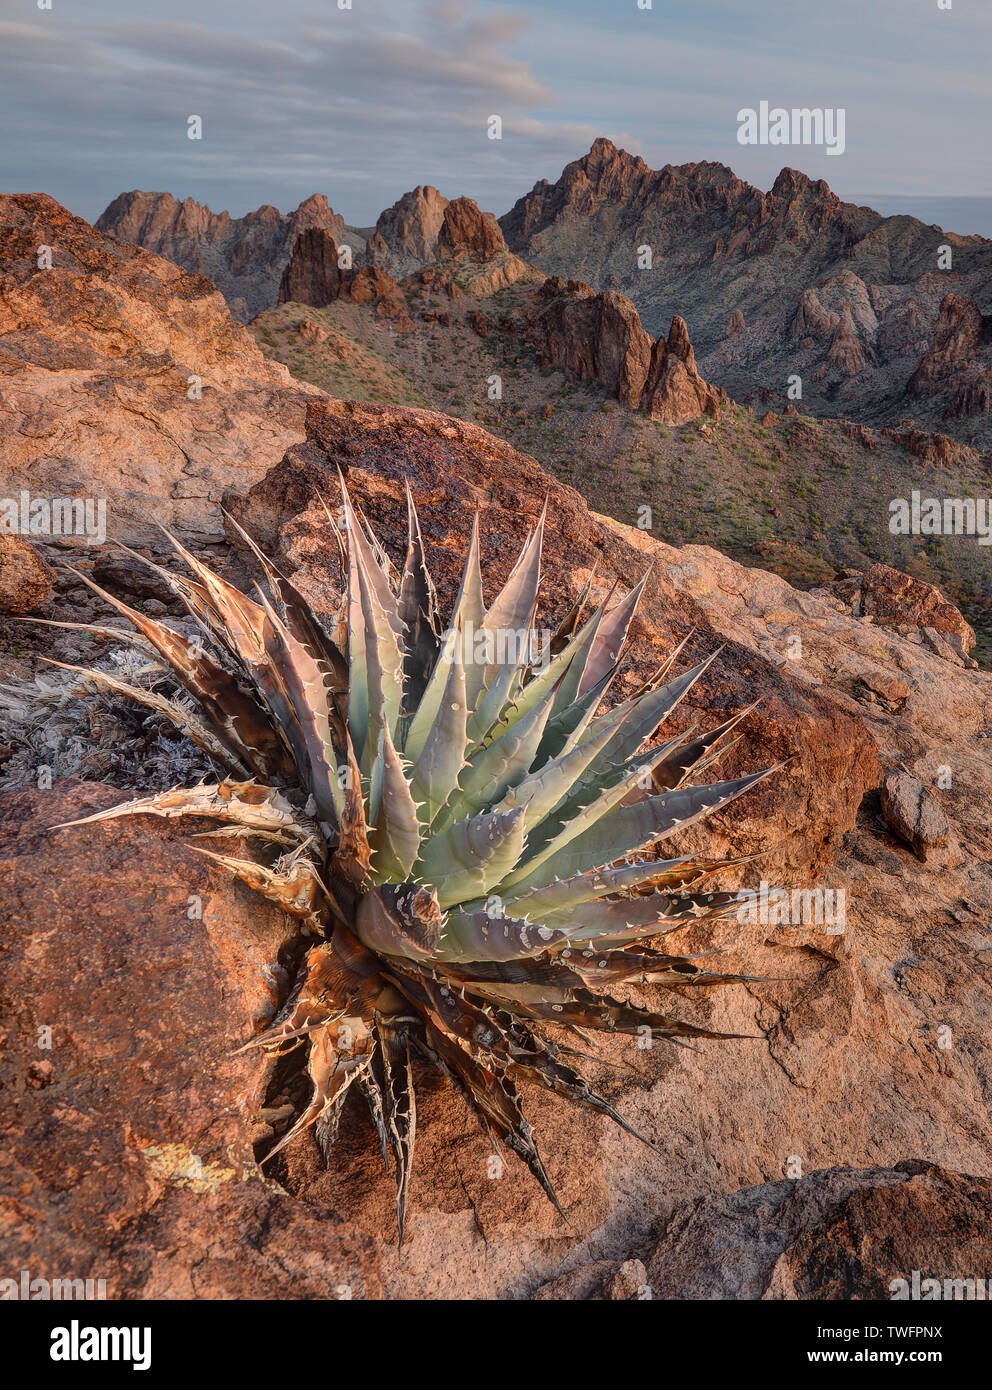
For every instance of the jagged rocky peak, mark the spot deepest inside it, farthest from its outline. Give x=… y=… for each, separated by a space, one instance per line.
x=608 y=165
x=469 y=231
x=595 y=337
x=957 y=366
x=736 y=324
x=406 y=234
x=811 y=319
x=599 y=337
x=956 y=338
x=679 y=342
x=317 y=211
x=318 y=274
x=313 y=275
x=793 y=183
x=144 y=218
x=675 y=392
x=846 y=352
x=424 y=226
x=611 y=176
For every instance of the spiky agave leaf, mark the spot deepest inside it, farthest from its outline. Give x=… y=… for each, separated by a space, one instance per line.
x=293 y=885
x=471 y=860
x=242 y=804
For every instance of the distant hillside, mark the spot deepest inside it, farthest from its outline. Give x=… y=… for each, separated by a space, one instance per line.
x=788 y=493
x=864 y=310
x=791 y=282
x=623 y=380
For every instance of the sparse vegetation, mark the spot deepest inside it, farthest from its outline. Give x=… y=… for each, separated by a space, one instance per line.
x=829 y=492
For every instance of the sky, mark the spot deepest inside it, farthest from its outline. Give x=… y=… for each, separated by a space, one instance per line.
x=362 y=103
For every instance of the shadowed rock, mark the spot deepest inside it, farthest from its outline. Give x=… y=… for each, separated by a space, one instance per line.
x=840 y=1234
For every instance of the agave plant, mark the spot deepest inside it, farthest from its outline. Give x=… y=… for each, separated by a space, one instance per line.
x=455 y=823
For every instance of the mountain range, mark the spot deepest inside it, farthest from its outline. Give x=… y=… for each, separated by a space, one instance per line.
x=185 y=403
x=879 y=318
x=665 y=387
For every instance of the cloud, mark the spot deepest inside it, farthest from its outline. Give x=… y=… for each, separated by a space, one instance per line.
x=93 y=106
x=362 y=104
